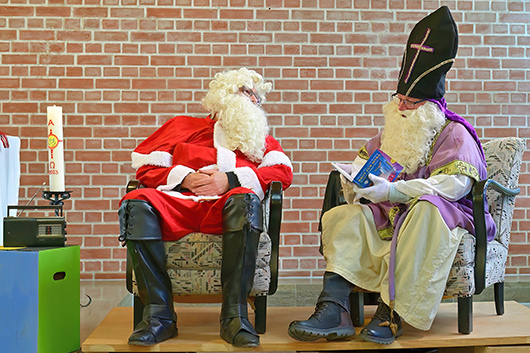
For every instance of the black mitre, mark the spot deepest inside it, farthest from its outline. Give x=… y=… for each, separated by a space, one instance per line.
x=430 y=53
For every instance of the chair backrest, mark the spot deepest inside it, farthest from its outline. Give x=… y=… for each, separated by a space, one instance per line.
x=503 y=159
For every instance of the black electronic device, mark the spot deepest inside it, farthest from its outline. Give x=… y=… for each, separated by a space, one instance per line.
x=34 y=231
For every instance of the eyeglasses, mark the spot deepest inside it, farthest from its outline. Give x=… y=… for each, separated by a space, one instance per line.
x=407 y=103
x=250 y=94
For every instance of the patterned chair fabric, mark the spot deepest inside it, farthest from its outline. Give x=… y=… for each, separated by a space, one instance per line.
x=194 y=265
x=503 y=158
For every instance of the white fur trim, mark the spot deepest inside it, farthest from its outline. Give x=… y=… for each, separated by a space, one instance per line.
x=248 y=179
x=275 y=158
x=226 y=159
x=158 y=158
x=210 y=167
x=178 y=195
x=219 y=136
x=175 y=177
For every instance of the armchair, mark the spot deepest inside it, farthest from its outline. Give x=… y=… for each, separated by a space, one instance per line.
x=478 y=264
x=194 y=263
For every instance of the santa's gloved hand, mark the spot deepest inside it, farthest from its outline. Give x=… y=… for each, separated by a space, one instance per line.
x=378 y=192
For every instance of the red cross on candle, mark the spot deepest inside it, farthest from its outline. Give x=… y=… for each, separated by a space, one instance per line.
x=53 y=141
x=419 y=48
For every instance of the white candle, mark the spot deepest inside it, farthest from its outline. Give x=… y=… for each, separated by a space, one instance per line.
x=56 y=148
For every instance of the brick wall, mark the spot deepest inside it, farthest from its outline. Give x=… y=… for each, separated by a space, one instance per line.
x=120 y=69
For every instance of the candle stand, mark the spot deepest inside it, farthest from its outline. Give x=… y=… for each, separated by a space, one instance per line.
x=56 y=198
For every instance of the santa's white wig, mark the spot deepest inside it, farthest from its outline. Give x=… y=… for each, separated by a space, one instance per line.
x=226 y=83
x=244 y=123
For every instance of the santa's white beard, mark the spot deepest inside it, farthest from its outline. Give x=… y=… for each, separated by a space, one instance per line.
x=245 y=126
x=408 y=135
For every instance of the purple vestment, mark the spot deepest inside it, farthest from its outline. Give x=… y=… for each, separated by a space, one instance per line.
x=454 y=144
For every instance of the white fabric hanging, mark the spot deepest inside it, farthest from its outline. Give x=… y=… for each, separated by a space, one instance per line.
x=9 y=178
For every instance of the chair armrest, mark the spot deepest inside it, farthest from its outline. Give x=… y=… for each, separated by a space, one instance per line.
x=333 y=195
x=128 y=274
x=273 y=203
x=479 y=217
x=132 y=185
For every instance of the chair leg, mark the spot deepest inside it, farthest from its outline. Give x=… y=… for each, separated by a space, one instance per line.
x=260 y=313
x=465 y=315
x=357 y=308
x=498 y=290
x=138 y=309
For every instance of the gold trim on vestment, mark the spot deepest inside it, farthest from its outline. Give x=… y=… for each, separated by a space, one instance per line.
x=363 y=153
x=429 y=157
x=386 y=234
x=458 y=167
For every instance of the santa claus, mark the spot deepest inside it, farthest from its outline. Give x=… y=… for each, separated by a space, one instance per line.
x=204 y=175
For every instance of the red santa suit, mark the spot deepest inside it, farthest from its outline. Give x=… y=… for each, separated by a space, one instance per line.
x=184 y=145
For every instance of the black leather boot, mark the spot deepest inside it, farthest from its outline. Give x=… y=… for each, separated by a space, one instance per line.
x=331 y=319
x=242 y=226
x=140 y=228
x=384 y=327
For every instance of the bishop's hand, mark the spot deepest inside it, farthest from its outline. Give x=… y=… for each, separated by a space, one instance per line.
x=378 y=192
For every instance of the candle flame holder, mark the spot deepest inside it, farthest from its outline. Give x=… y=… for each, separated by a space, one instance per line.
x=56 y=198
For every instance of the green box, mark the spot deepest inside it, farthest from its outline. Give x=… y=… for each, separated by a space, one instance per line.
x=39 y=300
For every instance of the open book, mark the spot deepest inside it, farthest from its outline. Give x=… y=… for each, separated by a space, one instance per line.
x=379 y=164
x=342 y=171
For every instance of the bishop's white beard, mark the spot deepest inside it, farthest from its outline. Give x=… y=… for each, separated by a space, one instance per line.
x=245 y=126
x=408 y=139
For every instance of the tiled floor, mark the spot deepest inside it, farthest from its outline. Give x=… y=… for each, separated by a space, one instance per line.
x=105 y=295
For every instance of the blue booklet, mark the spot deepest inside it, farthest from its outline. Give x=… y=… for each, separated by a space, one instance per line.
x=379 y=164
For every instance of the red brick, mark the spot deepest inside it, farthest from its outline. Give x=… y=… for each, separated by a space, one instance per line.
x=310 y=61
x=168 y=60
x=302 y=251
x=18 y=59
x=131 y=107
x=78 y=36
x=13 y=11
x=53 y=11
x=236 y=14
x=110 y=36
x=19 y=108
x=7 y=35
x=113 y=83
x=94 y=60
x=164 y=12
x=204 y=61
x=200 y=13
x=90 y=12
x=307 y=15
